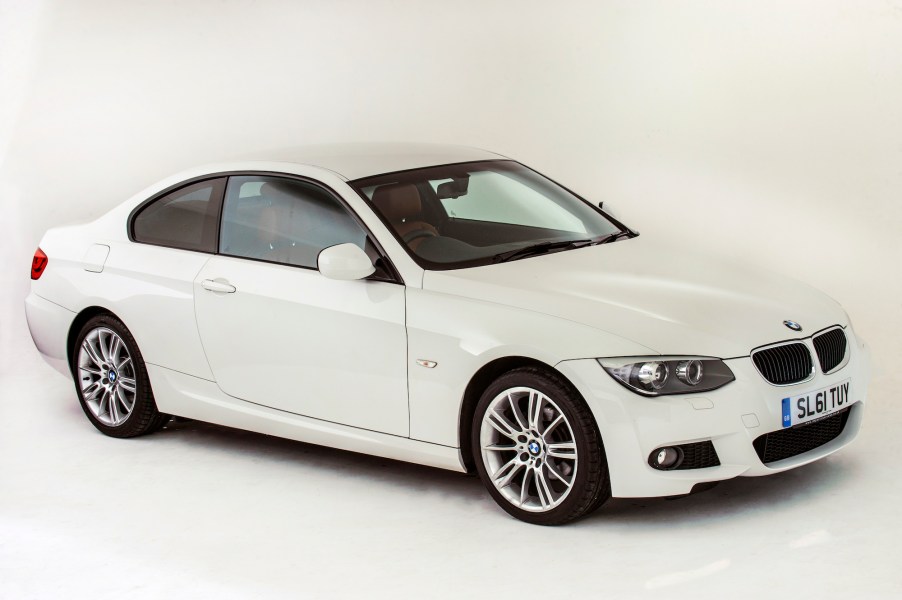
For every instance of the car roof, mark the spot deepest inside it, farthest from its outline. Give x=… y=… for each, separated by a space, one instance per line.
x=355 y=161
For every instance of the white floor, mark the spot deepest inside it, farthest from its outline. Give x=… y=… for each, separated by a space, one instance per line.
x=202 y=511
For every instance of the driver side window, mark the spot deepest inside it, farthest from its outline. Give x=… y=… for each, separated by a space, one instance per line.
x=283 y=220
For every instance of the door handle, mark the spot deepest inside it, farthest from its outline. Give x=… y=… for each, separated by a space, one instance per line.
x=218 y=285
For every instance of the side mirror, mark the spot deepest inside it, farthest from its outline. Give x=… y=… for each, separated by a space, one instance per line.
x=345 y=262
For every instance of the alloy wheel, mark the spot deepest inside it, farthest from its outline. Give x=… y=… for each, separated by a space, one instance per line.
x=107 y=376
x=528 y=449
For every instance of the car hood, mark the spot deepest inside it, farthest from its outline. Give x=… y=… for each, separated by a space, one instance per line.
x=666 y=299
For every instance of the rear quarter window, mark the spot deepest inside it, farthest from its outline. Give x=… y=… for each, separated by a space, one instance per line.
x=187 y=218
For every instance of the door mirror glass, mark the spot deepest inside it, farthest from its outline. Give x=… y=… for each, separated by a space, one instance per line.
x=346 y=262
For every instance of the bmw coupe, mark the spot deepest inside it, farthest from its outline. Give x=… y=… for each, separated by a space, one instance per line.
x=446 y=306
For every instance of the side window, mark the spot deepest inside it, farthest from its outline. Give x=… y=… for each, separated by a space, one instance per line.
x=187 y=218
x=284 y=220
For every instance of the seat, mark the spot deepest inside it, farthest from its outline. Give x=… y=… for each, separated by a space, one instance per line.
x=284 y=230
x=401 y=205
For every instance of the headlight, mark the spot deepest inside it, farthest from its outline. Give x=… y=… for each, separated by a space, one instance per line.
x=660 y=376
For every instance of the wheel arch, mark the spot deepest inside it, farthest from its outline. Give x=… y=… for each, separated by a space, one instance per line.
x=478 y=383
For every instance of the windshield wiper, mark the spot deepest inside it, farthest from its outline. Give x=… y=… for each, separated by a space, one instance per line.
x=540 y=248
x=613 y=237
x=543 y=247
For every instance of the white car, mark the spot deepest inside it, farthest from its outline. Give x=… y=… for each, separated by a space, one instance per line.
x=450 y=307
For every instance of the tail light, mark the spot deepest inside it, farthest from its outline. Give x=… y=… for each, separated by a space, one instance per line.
x=38 y=264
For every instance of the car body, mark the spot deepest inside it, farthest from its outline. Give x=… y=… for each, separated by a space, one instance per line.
x=394 y=363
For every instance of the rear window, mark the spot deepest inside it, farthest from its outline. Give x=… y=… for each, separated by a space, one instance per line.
x=187 y=218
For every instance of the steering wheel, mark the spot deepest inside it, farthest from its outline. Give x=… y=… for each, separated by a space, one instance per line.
x=416 y=234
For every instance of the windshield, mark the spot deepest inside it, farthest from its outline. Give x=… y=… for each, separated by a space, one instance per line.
x=468 y=214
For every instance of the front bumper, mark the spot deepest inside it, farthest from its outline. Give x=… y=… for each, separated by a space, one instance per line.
x=632 y=426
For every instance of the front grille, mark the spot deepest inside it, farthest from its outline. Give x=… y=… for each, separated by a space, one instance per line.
x=699 y=455
x=830 y=348
x=784 y=364
x=787 y=443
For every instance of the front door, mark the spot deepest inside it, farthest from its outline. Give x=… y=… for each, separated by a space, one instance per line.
x=278 y=333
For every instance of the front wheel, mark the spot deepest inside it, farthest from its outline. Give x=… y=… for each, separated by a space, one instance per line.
x=537 y=448
x=112 y=382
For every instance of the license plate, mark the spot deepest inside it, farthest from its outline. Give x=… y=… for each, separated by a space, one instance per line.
x=812 y=406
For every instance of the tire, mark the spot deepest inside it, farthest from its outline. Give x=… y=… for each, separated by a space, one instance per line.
x=551 y=444
x=111 y=380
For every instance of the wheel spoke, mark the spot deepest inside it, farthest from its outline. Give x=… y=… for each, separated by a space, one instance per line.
x=90 y=393
x=517 y=414
x=123 y=399
x=500 y=448
x=127 y=383
x=91 y=370
x=543 y=490
x=92 y=352
x=104 y=405
x=104 y=348
x=524 y=488
x=553 y=424
x=501 y=425
x=562 y=450
x=113 y=408
x=505 y=475
x=124 y=362
x=558 y=476
x=534 y=410
x=115 y=347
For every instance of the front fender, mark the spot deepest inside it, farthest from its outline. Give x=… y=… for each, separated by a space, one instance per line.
x=461 y=335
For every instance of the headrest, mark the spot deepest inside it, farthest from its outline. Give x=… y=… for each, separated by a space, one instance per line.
x=272 y=189
x=398 y=201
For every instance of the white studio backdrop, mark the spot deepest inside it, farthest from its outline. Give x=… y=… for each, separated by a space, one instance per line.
x=763 y=131
x=769 y=132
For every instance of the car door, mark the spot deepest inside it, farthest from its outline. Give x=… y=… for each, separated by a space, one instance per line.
x=278 y=333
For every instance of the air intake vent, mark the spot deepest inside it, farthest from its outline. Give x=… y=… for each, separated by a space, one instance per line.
x=831 y=349
x=784 y=364
x=787 y=443
x=698 y=456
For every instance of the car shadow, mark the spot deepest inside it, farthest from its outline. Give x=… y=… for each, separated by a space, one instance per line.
x=728 y=498
x=311 y=456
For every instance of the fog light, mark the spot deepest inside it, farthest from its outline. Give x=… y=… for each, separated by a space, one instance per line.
x=666 y=458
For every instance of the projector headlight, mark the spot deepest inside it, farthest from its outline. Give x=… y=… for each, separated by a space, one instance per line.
x=661 y=376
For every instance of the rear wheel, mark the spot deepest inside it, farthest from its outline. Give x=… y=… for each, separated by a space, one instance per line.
x=112 y=382
x=537 y=448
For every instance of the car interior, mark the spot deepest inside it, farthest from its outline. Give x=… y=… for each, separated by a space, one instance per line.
x=415 y=211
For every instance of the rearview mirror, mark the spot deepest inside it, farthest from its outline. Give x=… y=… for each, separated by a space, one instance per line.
x=453 y=189
x=346 y=262
x=606 y=207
